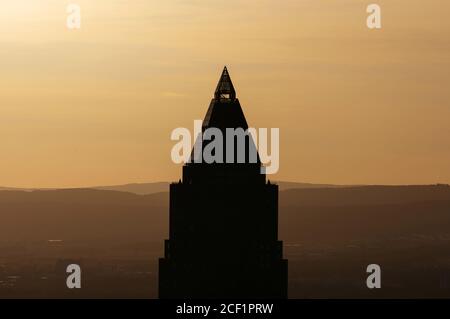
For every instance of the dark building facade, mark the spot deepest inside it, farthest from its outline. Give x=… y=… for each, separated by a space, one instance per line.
x=223 y=224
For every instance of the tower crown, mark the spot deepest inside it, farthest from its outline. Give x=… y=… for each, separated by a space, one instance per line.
x=225 y=89
x=239 y=161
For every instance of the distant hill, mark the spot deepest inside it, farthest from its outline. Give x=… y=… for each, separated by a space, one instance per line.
x=138 y=188
x=14 y=189
x=294 y=185
x=135 y=188
x=82 y=215
x=364 y=195
x=364 y=213
x=151 y=188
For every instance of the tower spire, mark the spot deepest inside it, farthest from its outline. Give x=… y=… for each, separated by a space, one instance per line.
x=225 y=89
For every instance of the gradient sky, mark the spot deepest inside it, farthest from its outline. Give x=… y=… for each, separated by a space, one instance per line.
x=96 y=106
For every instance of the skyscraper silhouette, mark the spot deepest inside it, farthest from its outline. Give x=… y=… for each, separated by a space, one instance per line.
x=223 y=232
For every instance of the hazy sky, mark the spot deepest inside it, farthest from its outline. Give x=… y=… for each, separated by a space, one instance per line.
x=97 y=106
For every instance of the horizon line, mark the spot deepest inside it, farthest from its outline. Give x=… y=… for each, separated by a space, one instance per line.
x=3 y=188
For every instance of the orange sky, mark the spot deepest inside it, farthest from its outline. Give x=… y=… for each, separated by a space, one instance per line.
x=96 y=106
